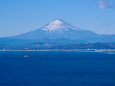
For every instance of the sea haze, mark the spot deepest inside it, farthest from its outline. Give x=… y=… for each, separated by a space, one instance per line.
x=56 y=68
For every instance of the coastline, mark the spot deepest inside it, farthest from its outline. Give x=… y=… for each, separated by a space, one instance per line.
x=74 y=50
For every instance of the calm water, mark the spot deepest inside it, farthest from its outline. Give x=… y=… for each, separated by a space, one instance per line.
x=56 y=68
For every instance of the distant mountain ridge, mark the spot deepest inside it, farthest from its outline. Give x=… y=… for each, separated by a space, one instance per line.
x=47 y=46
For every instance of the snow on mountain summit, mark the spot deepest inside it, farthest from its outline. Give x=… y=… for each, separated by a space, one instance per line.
x=54 y=26
x=58 y=25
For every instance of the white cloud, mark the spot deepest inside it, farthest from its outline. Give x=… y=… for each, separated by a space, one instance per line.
x=102 y=4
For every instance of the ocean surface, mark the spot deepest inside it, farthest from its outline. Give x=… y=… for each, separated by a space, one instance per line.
x=56 y=68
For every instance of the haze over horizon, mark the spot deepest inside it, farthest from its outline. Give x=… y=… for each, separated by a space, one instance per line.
x=20 y=16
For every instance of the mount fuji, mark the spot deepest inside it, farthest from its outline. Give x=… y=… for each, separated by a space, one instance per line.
x=55 y=30
x=57 y=33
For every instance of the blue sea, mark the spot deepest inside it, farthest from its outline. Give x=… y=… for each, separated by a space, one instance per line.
x=56 y=68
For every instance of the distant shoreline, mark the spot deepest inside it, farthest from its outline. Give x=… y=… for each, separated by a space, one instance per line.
x=74 y=50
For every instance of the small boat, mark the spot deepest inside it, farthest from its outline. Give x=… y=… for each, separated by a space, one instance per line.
x=26 y=56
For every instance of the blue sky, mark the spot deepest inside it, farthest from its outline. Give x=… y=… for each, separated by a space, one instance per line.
x=20 y=16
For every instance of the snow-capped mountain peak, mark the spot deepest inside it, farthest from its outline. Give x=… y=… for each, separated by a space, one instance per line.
x=55 y=30
x=56 y=22
x=58 y=25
